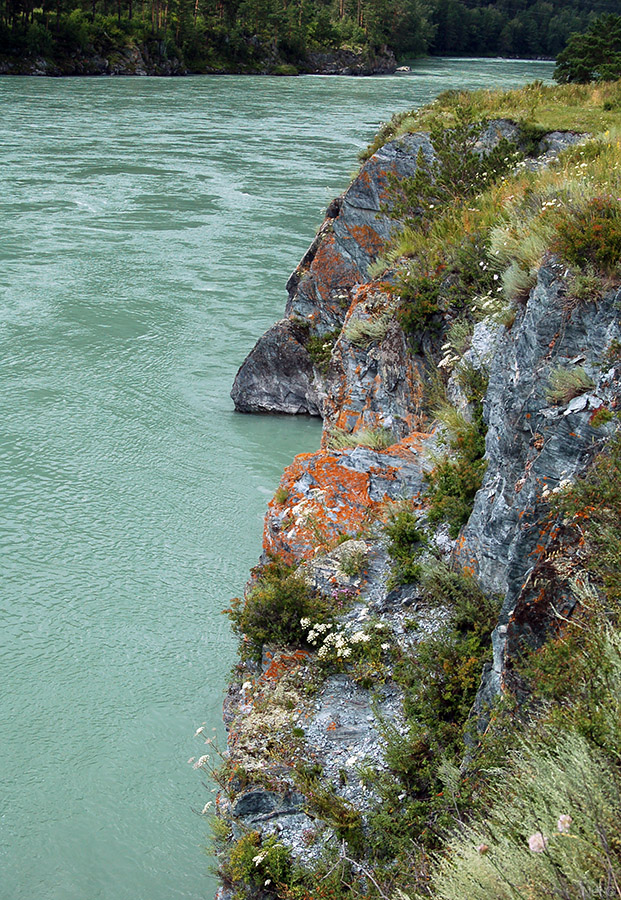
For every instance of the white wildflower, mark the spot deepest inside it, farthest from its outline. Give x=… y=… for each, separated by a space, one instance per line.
x=199 y=730
x=258 y=859
x=359 y=637
x=564 y=823
x=537 y=842
x=206 y=807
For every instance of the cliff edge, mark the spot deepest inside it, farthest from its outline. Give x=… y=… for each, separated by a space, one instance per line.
x=425 y=701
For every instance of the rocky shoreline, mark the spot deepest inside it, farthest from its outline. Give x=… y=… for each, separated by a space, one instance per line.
x=311 y=726
x=152 y=59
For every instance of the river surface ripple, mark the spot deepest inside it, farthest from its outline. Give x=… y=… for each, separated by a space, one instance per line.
x=148 y=228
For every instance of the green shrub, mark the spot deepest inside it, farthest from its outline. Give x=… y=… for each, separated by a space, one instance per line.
x=259 y=863
x=601 y=417
x=458 y=171
x=565 y=384
x=459 y=336
x=456 y=477
x=595 y=502
x=406 y=541
x=440 y=679
x=451 y=661
x=591 y=235
x=274 y=606
x=420 y=309
x=285 y=69
x=473 y=381
x=585 y=287
x=320 y=347
x=282 y=495
x=324 y=802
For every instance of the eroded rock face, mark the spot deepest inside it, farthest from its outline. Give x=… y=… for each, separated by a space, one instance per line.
x=373 y=382
x=533 y=444
x=277 y=376
x=320 y=290
x=332 y=493
x=144 y=59
x=346 y=62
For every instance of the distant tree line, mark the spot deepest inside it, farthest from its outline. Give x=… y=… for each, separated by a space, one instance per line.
x=212 y=33
x=518 y=28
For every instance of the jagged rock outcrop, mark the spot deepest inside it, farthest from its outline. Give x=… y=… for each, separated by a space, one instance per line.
x=306 y=732
x=354 y=232
x=348 y=62
x=331 y=493
x=533 y=444
x=357 y=228
x=278 y=375
x=373 y=381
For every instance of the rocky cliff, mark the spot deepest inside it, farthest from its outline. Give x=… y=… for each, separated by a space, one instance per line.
x=153 y=58
x=467 y=382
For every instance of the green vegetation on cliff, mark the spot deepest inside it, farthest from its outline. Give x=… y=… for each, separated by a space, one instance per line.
x=471 y=795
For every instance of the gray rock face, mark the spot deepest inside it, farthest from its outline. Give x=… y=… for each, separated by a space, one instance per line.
x=347 y=62
x=356 y=230
x=533 y=445
x=145 y=59
x=378 y=386
x=320 y=290
x=277 y=375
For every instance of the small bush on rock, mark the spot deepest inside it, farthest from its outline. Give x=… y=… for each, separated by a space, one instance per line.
x=259 y=863
x=565 y=384
x=406 y=541
x=320 y=347
x=420 y=311
x=453 y=483
x=591 y=235
x=274 y=606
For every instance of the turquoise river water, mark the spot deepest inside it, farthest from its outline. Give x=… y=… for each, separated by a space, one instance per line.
x=147 y=230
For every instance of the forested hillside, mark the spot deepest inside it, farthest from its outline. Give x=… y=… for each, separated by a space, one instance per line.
x=273 y=35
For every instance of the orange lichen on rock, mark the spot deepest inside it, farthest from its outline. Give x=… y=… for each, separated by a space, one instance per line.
x=373 y=383
x=282 y=663
x=331 y=270
x=334 y=493
x=367 y=238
